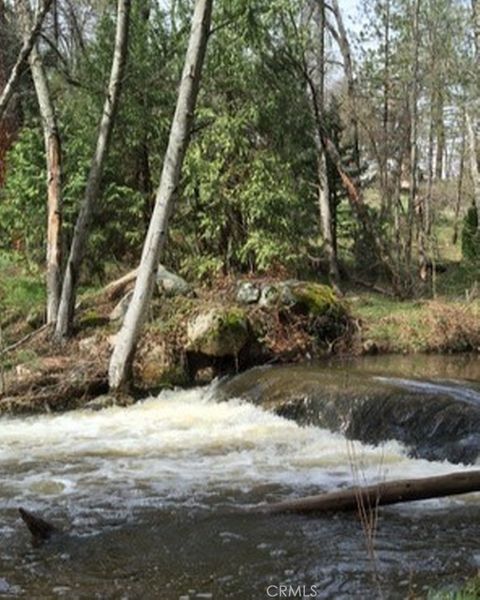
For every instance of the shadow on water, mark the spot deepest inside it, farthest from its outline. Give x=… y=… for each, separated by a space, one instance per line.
x=154 y=493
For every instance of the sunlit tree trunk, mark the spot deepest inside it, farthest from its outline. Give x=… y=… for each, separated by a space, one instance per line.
x=82 y=226
x=121 y=360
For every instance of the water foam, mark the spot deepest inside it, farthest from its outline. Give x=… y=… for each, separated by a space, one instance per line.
x=180 y=444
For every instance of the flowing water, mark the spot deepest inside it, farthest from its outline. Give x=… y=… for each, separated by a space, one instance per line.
x=153 y=495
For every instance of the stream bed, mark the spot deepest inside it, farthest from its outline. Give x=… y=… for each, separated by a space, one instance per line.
x=153 y=495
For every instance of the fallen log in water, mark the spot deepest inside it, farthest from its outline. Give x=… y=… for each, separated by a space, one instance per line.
x=384 y=493
x=41 y=530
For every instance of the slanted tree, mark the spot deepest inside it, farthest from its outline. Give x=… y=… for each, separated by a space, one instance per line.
x=23 y=55
x=121 y=360
x=10 y=122
x=82 y=226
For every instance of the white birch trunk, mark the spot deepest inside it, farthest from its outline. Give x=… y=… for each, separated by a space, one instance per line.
x=23 y=55
x=121 y=360
x=82 y=226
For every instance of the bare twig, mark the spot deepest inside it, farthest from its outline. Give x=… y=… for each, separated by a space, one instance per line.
x=22 y=340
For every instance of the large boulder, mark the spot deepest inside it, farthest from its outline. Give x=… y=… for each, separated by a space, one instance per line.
x=218 y=332
x=171 y=284
x=315 y=299
x=158 y=364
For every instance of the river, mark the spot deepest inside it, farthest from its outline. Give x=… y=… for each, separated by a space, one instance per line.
x=153 y=495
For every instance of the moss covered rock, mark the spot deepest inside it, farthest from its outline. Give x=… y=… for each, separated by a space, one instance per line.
x=218 y=332
x=316 y=300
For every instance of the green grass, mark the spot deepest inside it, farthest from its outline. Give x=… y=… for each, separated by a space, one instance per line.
x=21 y=290
x=441 y=325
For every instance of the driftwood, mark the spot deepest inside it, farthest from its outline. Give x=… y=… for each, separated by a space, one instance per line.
x=23 y=340
x=41 y=530
x=388 y=492
x=359 y=498
x=116 y=288
x=55 y=396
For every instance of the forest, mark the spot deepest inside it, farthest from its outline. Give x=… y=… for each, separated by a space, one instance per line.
x=200 y=193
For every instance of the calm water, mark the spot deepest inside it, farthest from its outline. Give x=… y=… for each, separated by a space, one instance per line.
x=154 y=494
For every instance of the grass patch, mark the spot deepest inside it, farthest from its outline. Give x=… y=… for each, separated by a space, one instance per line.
x=21 y=290
x=422 y=326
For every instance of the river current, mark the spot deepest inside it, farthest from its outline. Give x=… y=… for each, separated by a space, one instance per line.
x=152 y=498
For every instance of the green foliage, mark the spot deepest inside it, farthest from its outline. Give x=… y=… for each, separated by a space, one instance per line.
x=471 y=237
x=248 y=196
x=238 y=199
x=23 y=199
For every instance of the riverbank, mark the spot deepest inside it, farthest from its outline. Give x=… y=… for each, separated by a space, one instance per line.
x=195 y=333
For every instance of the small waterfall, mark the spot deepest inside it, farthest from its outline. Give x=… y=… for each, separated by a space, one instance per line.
x=436 y=420
x=153 y=491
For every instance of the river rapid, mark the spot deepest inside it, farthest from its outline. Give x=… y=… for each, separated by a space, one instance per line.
x=153 y=498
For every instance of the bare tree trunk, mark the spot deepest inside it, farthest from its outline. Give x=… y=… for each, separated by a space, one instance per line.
x=344 y=45
x=54 y=172
x=386 y=110
x=413 y=130
x=315 y=59
x=121 y=360
x=381 y=494
x=440 y=134
x=82 y=226
x=458 y=202
x=326 y=219
x=54 y=186
x=428 y=198
x=23 y=56
x=473 y=160
x=476 y=28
